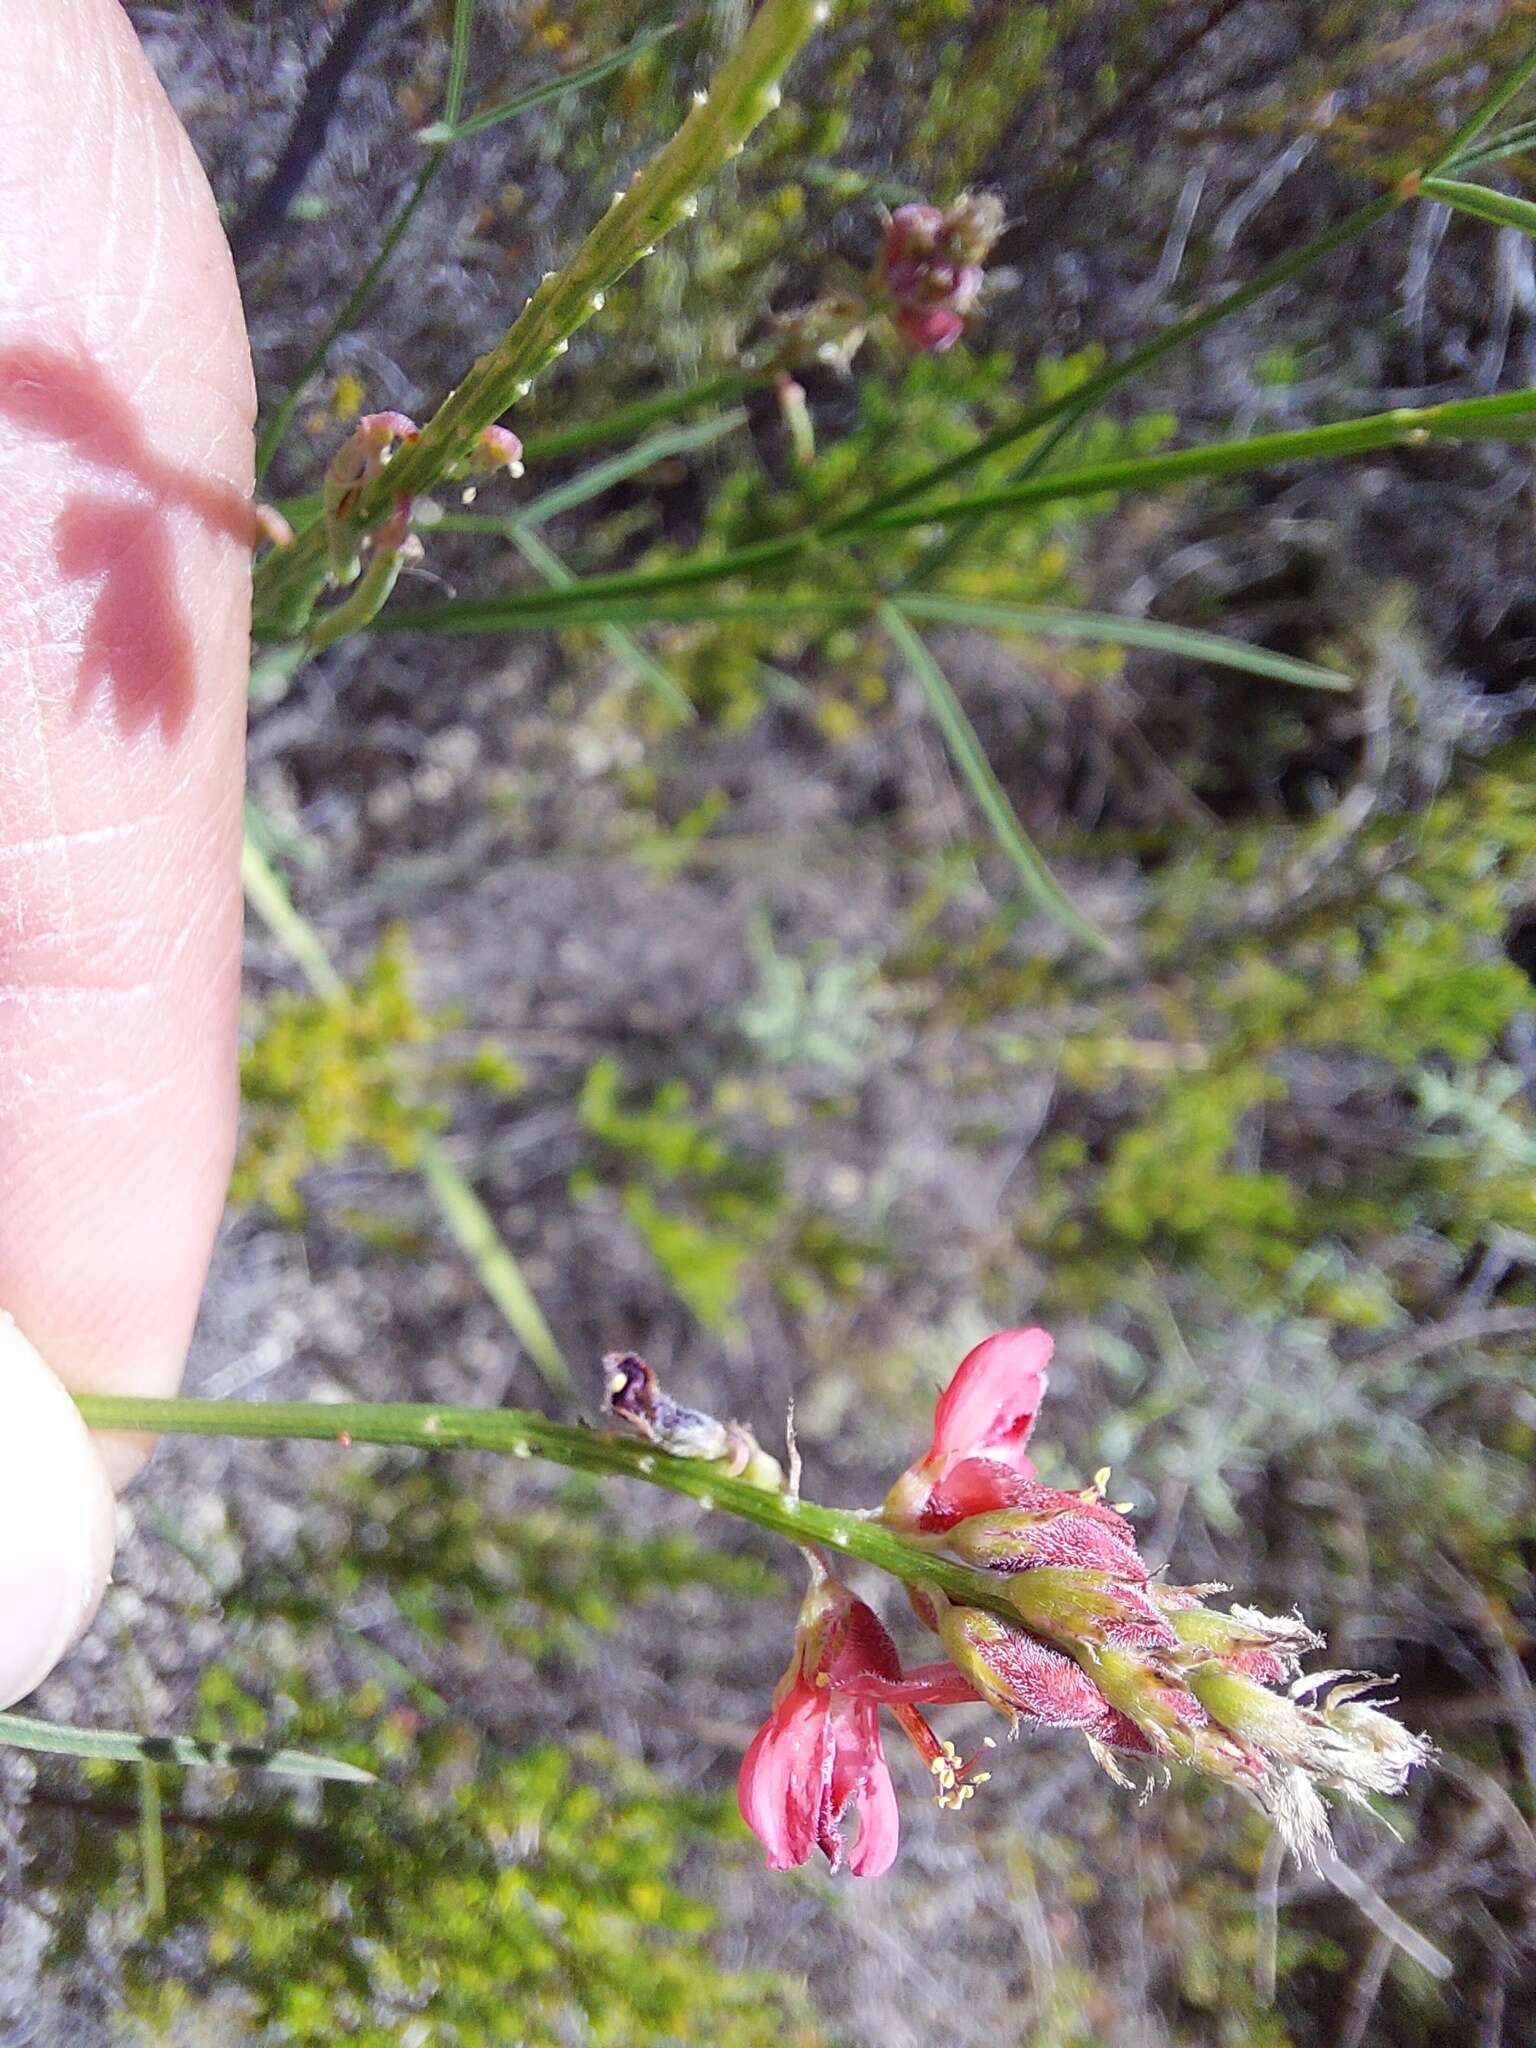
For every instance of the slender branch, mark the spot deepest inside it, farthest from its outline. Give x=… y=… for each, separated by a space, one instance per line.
x=520 y=1434
x=308 y=136
x=745 y=89
x=1509 y=416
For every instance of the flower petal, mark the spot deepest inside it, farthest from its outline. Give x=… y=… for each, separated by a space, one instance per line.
x=989 y=1407
x=879 y=1835
x=780 y=1786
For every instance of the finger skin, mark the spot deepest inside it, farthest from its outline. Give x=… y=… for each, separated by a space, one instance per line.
x=126 y=408
x=56 y=1519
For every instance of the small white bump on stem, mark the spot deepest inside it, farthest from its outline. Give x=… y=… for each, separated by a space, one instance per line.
x=599 y=300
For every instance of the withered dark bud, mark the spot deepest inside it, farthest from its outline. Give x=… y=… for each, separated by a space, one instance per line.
x=633 y=1396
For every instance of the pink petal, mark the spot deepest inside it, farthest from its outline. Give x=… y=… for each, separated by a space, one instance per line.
x=779 y=1787
x=989 y=1407
x=931 y=329
x=860 y=1778
x=861 y=1648
x=875 y=1845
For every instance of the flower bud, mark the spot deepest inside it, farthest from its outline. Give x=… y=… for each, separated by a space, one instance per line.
x=930 y=266
x=635 y=1397
x=1018 y=1674
x=1088 y=1610
x=1266 y=1648
x=1048 y=1527
x=1344 y=1745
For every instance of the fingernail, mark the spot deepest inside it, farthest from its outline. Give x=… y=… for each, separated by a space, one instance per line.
x=57 y=1519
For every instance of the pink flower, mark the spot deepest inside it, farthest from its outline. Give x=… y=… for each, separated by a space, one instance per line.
x=930 y=329
x=981 y=1425
x=818 y=1757
x=930 y=267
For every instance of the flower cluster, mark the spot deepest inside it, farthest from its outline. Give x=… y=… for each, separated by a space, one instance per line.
x=931 y=266
x=1062 y=1624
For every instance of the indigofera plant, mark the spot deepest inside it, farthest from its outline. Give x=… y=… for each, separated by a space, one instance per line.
x=1042 y=1604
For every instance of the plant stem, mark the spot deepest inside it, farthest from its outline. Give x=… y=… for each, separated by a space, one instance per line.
x=458 y=62
x=644 y=412
x=744 y=90
x=514 y=1432
x=1511 y=416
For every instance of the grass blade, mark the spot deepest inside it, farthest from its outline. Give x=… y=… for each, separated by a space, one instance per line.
x=634 y=418
x=1486 y=111
x=619 y=643
x=119 y=1745
x=970 y=758
x=1512 y=142
x=1052 y=622
x=1511 y=416
x=151 y=1841
x=542 y=611
x=1502 y=209
x=268 y=896
x=470 y=1225
x=450 y=129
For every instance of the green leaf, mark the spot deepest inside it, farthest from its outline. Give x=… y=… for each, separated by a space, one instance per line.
x=970 y=758
x=591 y=602
x=267 y=894
x=1512 y=142
x=1501 y=208
x=120 y=1745
x=1051 y=622
x=1487 y=111
x=629 y=419
x=469 y=1222
x=1510 y=416
x=441 y=133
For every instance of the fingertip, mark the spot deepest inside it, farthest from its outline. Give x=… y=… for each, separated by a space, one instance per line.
x=57 y=1519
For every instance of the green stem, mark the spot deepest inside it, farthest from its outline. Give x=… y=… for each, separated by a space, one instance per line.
x=744 y=90
x=268 y=896
x=1486 y=112
x=517 y=1433
x=1468 y=419
x=627 y=420
x=1508 y=416
x=458 y=60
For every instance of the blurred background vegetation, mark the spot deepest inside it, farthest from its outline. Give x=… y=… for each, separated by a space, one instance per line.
x=743 y=1035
